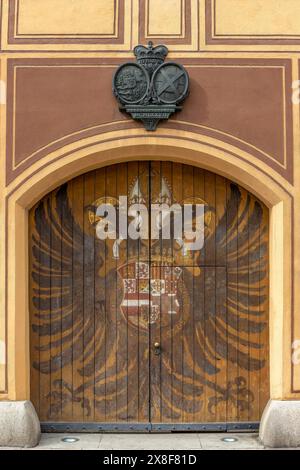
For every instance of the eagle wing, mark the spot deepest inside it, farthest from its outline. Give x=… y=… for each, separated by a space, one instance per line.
x=232 y=318
x=59 y=251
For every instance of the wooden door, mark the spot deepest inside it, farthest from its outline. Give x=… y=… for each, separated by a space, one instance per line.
x=135 y=332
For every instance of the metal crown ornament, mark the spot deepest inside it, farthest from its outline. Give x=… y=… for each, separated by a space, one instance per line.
x=150 y=57
x=150 y=90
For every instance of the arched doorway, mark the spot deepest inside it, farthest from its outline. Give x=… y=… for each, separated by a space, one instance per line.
x=142 y=333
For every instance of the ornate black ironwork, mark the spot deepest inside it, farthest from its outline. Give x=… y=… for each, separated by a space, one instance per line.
x=151 y=89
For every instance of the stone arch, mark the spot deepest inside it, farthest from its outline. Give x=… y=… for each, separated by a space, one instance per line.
x=98 y=151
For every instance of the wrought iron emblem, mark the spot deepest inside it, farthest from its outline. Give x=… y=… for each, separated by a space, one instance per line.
x=151 y=89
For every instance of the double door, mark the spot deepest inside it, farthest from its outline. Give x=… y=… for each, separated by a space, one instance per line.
x=138 y=329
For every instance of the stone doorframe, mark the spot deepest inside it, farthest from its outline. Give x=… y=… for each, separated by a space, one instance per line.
x=166 y=144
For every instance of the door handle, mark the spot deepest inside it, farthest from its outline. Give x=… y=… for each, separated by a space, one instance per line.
x=157 y=349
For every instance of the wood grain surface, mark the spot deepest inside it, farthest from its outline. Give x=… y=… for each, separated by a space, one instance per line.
x=97 y=307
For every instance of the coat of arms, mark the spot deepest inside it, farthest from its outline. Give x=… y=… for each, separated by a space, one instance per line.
x=150 y=292
x=151 y=89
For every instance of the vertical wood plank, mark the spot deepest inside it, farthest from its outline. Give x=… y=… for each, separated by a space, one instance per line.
x=134 y=323
x=254 y=306
x=34 y=289
x=200 y=391
x=155 y=327
x=144 y=169
x=166 y=277
x=177 y=366
x=88 y=298
x=78 y=306
x=264 y=373
x=232 y=367
x=111 y=309
x=187 y=311
x=121 y=324
x=210 y=282
x=56 y=308
x=210 y=312
x=67 y=290
x=221 y=310
x=45 y=304
x=243 y=301
x=100 y=311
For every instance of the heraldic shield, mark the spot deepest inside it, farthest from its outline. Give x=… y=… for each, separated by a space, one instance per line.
x=150 y=293
x=151 y=90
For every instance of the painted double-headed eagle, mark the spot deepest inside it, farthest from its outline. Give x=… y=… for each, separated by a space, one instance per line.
x=78 y=289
